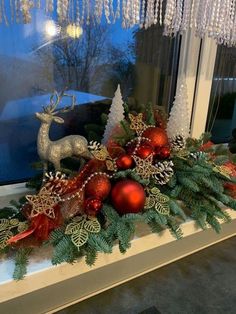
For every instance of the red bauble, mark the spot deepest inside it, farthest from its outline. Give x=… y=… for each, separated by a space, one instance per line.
x=99 y=187
x=144 y=150
x=157 y=136
x=125 y=162
x=164 y=153
x=128 y=196
x=92 y=206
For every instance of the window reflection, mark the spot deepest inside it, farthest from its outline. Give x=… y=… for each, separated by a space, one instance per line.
x=89 y=62
x=222 y=109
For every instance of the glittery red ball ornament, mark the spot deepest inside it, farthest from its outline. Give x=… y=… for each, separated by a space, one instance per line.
x=125 y=162
x=164 y=153
x=157 y=136
x=144 y=150
x=128 y=196
x=99 y=187
x=92 y=206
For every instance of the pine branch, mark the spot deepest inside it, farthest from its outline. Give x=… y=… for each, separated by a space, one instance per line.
x=90 y=255
x=99 y=243
x=21 y=262
x=176 y=209
x=65 y=251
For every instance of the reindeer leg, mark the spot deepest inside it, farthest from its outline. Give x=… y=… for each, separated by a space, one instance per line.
x=45 y=169
x=57 y=165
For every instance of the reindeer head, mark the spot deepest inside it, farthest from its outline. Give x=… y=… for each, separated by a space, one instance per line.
x=49 y=113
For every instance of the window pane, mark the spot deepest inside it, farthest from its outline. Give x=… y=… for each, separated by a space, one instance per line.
x=38 y=58
x=222 y=109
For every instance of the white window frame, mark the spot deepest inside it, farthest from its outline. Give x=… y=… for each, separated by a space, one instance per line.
x=197 y=62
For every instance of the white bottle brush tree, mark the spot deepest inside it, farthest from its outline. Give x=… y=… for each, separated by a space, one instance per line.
x=179 y=119
x=116 y=115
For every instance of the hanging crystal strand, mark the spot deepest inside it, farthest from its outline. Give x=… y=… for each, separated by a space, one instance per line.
x=98 y=10
x=161 y=13
x=136 y=12
x=169 y=16
x=83 y=11
x=88 y=12
x=232 y=23
x=1 y=13
x=156 y=12
x=112 y=14
x=227 y=24
x=126 y=14
x=214 y=20
x=25 y=6
x=199 y=16
x=38 y=4
x=143 y=12
x=213 y=25
x=117 y=13
x=17 y=11
x=149 y=20
x=107 y=11
x=62 y=8
x=192 y=13
x=12 y=11
x=4 y=15
x=178 y=17
x=186 y=15
x=222 y=14
x=232 y=18
x=49 y=6
x=233 y=40
x=77 y=14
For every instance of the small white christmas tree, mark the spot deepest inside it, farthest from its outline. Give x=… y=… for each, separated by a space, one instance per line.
x=116 y=115
x=179 y=119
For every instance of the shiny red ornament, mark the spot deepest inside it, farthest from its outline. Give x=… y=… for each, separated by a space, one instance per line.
x=157 y=136
x=124 y=162
x=99 y=187
x=92 y=206
x=144 y=150
x=164 y=153
x=128 y=196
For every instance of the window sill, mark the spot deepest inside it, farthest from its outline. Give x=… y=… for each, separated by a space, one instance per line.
x=67 y=284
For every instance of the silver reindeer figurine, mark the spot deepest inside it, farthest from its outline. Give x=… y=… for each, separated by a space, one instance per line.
x=55 y=151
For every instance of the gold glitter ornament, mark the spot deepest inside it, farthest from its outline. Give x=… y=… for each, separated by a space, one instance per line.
x=158 y=201
x=43 y=203
x=144 y=167
x=137 y=123
x=5 y=229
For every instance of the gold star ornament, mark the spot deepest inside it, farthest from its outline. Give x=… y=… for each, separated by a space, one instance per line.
x=144 y=167
x=43 y=203
x=137 y=123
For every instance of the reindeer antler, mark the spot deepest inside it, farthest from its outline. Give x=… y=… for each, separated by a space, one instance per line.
x=55 y=99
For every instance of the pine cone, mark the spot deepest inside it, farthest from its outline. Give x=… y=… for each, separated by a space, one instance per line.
x=165 y=172
x=178 y=143
x=198 y=155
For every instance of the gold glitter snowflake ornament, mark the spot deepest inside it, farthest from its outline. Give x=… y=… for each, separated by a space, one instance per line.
x=144 y=167
x=137 y=123
x=43 y=203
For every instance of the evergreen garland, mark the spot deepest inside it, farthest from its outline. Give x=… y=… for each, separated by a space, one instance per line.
x=21 y=261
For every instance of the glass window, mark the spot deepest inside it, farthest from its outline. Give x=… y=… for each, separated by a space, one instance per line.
x=43 y=56
x=222 y=109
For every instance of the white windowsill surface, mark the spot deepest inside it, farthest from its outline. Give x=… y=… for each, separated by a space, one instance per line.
x=47 y=288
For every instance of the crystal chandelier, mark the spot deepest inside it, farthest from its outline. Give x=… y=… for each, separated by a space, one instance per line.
x=215 y=18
